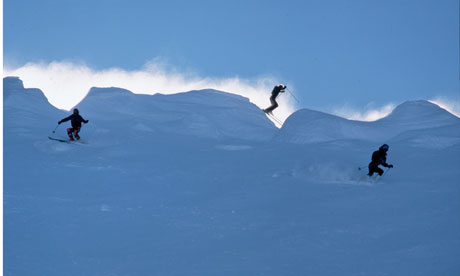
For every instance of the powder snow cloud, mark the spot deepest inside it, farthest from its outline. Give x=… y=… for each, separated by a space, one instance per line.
x=451 y=105
x=372 y=113
x=369 y=113
x=65 y=84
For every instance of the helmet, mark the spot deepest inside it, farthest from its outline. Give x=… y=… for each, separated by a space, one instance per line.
x=384 y=147
x=75 y=111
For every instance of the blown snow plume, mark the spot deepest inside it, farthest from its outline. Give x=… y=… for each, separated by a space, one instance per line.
x=65 y=84
x=370 y=113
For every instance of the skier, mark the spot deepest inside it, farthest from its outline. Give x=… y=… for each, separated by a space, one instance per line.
x=379 y=157
x=76 y=120
x=276 y=90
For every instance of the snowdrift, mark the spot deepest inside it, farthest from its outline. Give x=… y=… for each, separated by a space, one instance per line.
x=219 y=115
x=27 y=111
x=434 y=126
x=205 y=113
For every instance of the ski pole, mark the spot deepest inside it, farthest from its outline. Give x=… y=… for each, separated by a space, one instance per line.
x=55 y=128
x=386 y=171
x=292 y=95
x=363 y=167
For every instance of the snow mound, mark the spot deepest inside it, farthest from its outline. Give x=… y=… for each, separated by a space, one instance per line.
x=27 y=111
x=405 y=123
x=203 y=113
x=16 y=96
x=309 y=126
x=412 y=115
x=10 y=85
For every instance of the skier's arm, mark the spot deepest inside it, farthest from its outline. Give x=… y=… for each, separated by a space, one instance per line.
x=385 y=164
x=383 y=161
x=65 y=119
x=83 y=120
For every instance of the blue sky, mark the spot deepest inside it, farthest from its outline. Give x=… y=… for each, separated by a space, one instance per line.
x=359 y=53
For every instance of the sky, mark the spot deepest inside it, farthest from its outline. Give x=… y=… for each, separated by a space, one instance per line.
x=356 y=58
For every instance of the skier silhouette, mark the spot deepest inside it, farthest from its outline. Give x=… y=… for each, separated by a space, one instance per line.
x=379 y=157
x=275 y=92
x=76 y=121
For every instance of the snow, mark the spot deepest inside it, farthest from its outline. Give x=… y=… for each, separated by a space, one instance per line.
x=417 y=117
x=202 y=183
x=204 y=113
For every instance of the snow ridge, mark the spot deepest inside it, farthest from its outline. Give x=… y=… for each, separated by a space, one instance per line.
x=308 y=126
x=220 y=115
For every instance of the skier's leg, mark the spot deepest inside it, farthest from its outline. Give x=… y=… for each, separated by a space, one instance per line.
x=274 y=103
x=379 y=171
x=273 y=106
x=75 y=133
x=69 y=132
x=371 y=170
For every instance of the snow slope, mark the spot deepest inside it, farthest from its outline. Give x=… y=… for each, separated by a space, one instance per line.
x=205 y=113
x=307 y=126
x=190 y=184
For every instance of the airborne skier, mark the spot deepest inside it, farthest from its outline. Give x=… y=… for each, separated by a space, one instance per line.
x=379 y=157
x=76 y=121
x=276 y=90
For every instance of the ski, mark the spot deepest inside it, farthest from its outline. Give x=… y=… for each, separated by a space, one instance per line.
x=60 y=140
x=67 y=141
x=273 y=118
